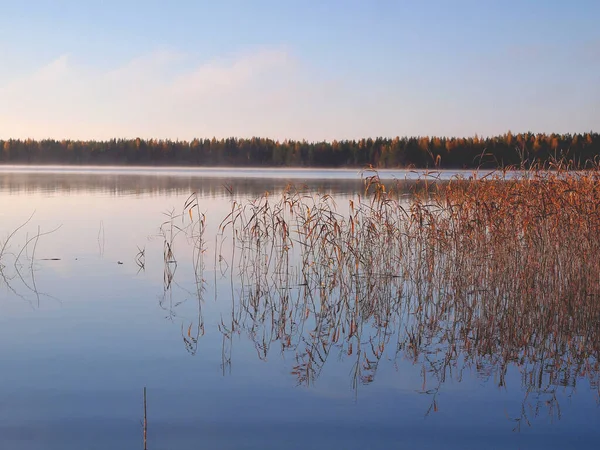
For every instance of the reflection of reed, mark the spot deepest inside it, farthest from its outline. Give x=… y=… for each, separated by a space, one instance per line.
x=195 y=234
x=21 y=261
x=193 y=229
x=479 y=275
x=101 y=240
x=140 y=259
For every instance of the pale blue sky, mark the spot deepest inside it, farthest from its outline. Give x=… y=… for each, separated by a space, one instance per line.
x=297 y=69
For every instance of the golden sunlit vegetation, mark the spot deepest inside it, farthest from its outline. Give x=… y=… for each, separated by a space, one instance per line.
x=524 y=149
x=477 y=276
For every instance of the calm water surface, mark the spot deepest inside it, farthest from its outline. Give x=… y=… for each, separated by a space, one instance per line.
x=81 y=334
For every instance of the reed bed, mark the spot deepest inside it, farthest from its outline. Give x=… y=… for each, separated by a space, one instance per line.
x=481 y=275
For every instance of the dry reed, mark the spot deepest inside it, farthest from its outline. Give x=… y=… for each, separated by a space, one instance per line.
x=478 y=274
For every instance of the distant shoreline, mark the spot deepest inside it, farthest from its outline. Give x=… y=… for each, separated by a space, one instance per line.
x=523 y=150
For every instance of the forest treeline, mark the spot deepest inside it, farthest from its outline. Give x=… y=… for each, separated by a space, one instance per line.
x=419 y=152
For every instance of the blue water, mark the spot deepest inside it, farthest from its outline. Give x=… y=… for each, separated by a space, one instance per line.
x=79 y=347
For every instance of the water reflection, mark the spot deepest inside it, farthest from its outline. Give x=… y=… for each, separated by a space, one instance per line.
x=18 y=264
x=114 y=184
x=482 y=307
x=477 y=286
x=206 y=182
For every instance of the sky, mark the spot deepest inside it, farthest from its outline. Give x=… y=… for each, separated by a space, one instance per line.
x=314 y=70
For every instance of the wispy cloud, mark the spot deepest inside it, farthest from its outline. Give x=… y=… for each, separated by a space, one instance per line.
x=230 y=74
x=270 y=92
x=55 y=71
x=167 y=94
x=145 y=96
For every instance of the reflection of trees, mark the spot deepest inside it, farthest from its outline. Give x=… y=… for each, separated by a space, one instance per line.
x=203 y=183
x=478 y=276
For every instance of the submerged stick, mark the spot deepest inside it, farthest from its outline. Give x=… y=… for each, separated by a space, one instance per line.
x=145 y=421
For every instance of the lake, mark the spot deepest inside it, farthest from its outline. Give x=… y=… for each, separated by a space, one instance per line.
x=229 y=344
